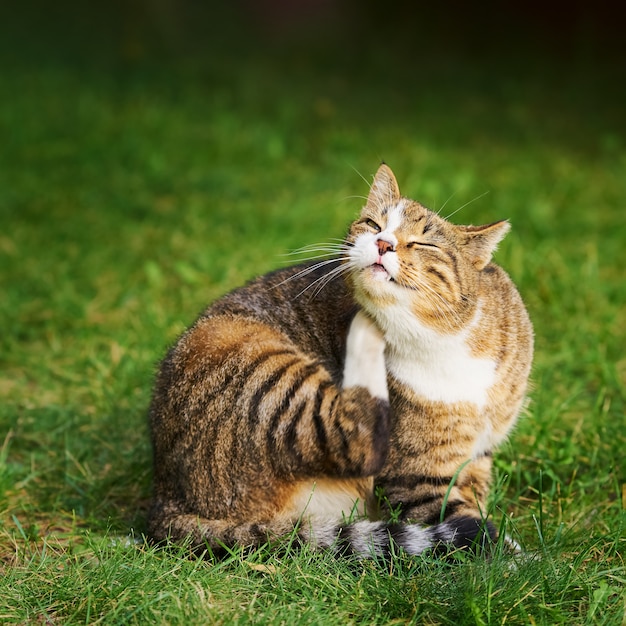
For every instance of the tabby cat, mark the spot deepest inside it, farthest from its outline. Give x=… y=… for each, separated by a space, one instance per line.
x=294 y=401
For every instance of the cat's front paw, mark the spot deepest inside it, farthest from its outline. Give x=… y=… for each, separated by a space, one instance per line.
x=365 y=357
x=365 y=336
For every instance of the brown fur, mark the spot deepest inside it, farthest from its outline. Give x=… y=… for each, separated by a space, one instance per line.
x=254 y=430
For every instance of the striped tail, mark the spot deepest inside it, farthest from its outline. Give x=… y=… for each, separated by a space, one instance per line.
x=361 y=539
x=367 y=539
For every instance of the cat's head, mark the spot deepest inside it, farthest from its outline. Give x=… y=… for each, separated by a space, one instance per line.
x=404 y=257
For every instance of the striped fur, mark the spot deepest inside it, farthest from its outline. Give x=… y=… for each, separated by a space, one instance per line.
x=399 y=365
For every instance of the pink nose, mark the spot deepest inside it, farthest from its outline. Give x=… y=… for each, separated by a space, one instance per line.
x=383 y=246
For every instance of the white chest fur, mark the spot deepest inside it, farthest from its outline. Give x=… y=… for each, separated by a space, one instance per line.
x=436 y=367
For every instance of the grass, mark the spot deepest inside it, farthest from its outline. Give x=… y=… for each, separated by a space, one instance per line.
x=135 y=190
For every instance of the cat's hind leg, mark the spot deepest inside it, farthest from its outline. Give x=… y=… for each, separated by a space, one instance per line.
x=169 y=525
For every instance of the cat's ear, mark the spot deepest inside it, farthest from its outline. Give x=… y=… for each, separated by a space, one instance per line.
x=481 y=241
x=384 y=190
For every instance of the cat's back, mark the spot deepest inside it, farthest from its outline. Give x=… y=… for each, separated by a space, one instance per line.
x=309 y=303
x=262 y=322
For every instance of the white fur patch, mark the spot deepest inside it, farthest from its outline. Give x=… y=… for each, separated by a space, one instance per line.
x=437 y=367
x=447 y=532
x=369 y=538
x=320 y=533
x=327 y=499
x=415 y=539
x=395 y=215
x=365 y=358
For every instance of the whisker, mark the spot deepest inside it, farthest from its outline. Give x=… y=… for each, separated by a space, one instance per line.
x=322 y=251
x=323 y=280
x=443 y=206
x=482 y=195
x=448 y=308
x=307 y=270
x=326 y=251
x=330 y=256
x=337 y=247
x=330 y=249
x=357 y=197
x=361 y=176
x=336 y=244
x=444 y=309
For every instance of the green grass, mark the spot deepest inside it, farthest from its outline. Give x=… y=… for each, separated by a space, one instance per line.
x=133 y=192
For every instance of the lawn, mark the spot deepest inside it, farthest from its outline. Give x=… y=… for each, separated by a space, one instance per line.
x=140 y=181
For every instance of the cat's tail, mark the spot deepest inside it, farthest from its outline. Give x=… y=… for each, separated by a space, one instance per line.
x=360 y=538
x=365 y=539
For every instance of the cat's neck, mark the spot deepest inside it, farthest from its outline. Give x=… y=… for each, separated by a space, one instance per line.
x=439 y=367
x=407 y=336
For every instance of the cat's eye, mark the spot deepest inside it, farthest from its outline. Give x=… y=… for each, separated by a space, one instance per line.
x=373 y=225
x=421 y=244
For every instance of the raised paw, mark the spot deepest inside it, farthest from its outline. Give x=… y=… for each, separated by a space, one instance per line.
x=365 y=357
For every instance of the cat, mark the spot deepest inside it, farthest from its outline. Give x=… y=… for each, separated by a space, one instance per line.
x=394 y=367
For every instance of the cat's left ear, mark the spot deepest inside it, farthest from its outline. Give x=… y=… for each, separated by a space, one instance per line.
x=384 y=190
x=481 y=241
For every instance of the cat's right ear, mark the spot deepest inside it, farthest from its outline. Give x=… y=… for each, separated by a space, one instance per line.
x=384 y=190
x=482 y=241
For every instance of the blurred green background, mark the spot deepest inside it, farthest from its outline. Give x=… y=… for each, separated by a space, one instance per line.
x=154 y=155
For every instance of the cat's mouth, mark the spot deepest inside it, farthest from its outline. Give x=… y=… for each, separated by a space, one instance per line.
x=380 y=272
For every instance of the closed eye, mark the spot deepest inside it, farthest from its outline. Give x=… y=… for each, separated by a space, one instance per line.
x=421 y=244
